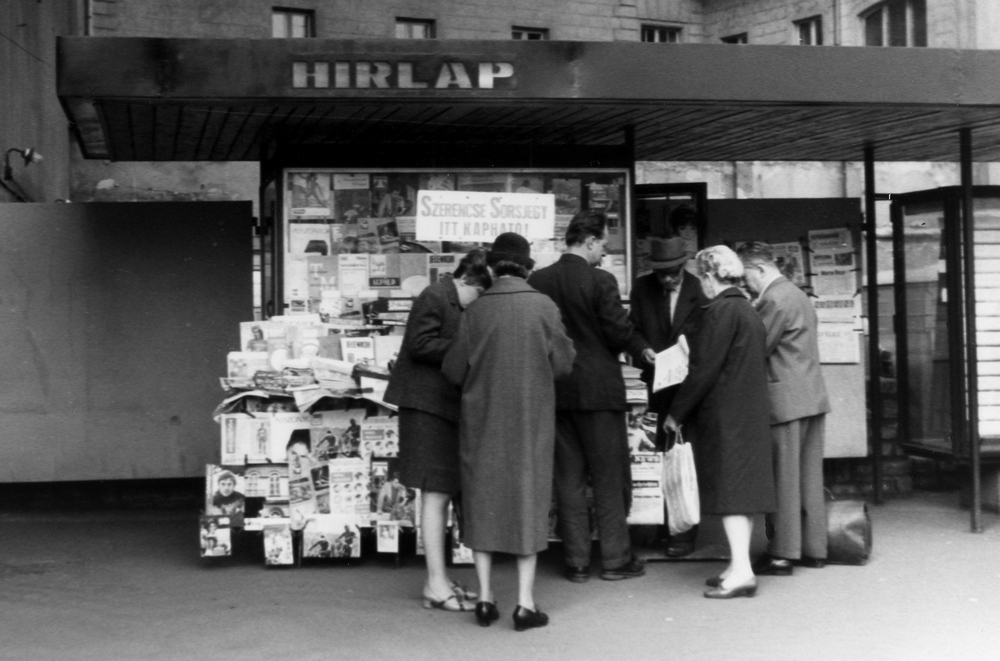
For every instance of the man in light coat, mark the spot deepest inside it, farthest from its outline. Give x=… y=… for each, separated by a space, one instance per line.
x=799 y=405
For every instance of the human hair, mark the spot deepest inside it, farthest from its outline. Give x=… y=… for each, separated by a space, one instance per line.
x=299 y=437
x=225 y=475
x=756 y=253
x=509 y=265
x=682 y=215
x=590 y=222
x=472 y=269
x=721 y=263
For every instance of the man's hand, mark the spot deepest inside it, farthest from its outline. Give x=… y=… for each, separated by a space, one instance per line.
x=670 y=425
x=649 y=356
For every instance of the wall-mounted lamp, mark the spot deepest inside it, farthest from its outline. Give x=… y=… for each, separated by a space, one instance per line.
x=30 y=156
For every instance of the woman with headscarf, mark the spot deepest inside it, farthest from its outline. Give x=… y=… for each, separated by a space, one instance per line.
x=510 y=348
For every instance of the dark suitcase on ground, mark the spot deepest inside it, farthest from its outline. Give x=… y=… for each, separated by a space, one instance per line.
x=849 y=532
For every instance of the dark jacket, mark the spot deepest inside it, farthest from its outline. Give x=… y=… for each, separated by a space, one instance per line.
x=598 y=324
x=417 y=381
x=649 y=315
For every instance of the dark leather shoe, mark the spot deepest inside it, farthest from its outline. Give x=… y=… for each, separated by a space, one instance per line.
x=714 y=581
x=631 y=569
x=525 y=619
x=768 y=565
x=679 y=549
x=810 y=562
x=577 y=574
x=745 y=590
x=487 y=613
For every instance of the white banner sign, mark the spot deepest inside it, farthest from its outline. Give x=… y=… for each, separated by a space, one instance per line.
x=481 y=217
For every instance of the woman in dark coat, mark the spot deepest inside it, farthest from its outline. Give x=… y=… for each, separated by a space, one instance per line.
x=725 y=395
x=428 y=417
x=510 y=348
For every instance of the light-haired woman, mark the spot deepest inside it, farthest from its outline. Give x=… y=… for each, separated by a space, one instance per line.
x=725 y=395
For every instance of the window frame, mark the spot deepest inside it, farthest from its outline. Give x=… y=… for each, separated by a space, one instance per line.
x=739 y=38
x=913 y=13
x=543 y=33
x=409 y=23
x=288 y=14
x=813 y=28
x=672 y=32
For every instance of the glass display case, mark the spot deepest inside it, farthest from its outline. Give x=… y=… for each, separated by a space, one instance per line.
x=349 y=237
x=937 y=372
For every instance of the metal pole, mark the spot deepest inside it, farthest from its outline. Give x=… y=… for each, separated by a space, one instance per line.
x=874 y=352
x=971 y=354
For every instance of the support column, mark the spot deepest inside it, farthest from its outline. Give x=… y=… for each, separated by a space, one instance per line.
x=971 y=353
x=874 y=352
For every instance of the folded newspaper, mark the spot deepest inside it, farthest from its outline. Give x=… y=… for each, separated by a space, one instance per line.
x=671 y=365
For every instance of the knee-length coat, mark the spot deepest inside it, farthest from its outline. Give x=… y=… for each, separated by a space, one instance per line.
x=510 y=348
x=725 y=394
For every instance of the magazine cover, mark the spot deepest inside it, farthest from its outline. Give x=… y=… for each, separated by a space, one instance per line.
x=266 y=481
x=309 y=239
x=278 y=544
x=336 y=434
x=378 y=235
x=277 y=509
x=349 y=487
x=387 y=534
x=393 y=501
x=331 y=536
x=358 y=350
x=647 y=492
x=224 y=493
x=437 y=181
x=309 y=194
x=232 y=453
x=394 y=194
x=790 y=261
x=301 y=499
x=216 y=536
x=641 y=433
x=441 y=265
x=567 y=192
x=283 y=432
x=380 y=436
x=350 y=205
x=352 y=274
x=321 y=487
x=254 y=436
x=255 y=335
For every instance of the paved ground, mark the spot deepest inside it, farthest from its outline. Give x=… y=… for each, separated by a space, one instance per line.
x=130 y=586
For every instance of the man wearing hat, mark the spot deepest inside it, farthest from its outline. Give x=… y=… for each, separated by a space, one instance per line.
x=666 y=304
x=591 y=434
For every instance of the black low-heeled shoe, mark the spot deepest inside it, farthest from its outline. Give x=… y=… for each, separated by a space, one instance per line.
x=487 y=613
x=525 y=619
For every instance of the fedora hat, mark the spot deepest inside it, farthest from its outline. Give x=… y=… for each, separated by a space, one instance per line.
x=667 y=253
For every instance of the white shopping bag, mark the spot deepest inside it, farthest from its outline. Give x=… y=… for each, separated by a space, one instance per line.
x=680 y=487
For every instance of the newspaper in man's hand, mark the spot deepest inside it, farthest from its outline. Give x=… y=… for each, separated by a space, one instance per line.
x=671 y=365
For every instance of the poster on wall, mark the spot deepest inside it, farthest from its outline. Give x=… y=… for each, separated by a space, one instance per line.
x=310 y=194
x=480 y=217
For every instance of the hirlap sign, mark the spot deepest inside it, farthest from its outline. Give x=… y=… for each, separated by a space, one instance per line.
x=363 y=74
x=482 y=217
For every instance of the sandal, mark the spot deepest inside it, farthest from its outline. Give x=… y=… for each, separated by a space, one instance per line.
x=462 y=592
x=450 y=603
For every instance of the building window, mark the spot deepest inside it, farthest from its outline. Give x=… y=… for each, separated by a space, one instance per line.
x=414 y=28
x=274 y=485
x=292 y=23
x=810 y=31
x=896 y=23
x=531 y=34
x=740 y=38
x=660 y=34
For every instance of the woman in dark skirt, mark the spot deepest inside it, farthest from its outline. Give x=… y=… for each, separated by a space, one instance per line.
x=428 y=417
x=725 y=395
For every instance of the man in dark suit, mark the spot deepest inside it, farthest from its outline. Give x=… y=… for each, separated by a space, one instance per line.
x=591 y=435
x=666 y=304
x=799 y=405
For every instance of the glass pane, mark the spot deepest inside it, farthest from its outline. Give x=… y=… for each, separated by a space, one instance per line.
x=873 y=28
x=402 y=31
x=299 y=26
x=897 y=23
x=279 y=26
x=986 y=222
x=918 y=23
x=927 y=363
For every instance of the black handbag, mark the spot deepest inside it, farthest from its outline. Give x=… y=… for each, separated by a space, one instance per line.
x=849 y=532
